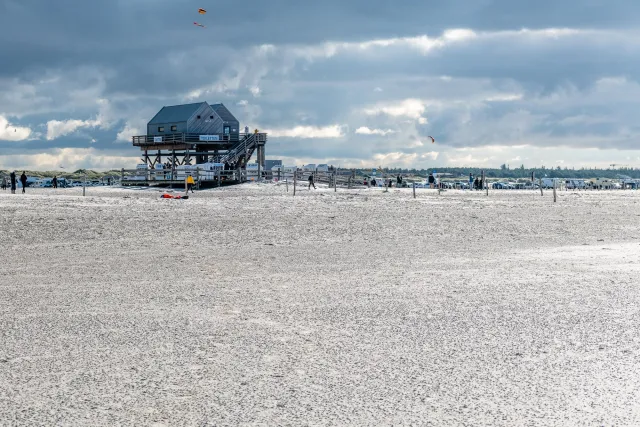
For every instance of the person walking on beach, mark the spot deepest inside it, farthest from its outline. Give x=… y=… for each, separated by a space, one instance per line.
x=54 y=181
x=13 y=182
x=23 y=180
x=311 y=182
x=4 y=182
x=432 y=180
x=190 y=183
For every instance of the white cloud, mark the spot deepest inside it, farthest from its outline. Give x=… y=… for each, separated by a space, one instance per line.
x=130 y=130
x=304 y=132
x=70 y=158
x=411 y=108
x=425 y=44
x=363 y=130
x=58 y=128
x=10 y=132
x=504 y=97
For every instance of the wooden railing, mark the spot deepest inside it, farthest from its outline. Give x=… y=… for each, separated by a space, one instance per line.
x=183 y=138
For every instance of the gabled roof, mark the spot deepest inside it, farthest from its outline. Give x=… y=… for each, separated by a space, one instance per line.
x=224 y=114
x=176 y=113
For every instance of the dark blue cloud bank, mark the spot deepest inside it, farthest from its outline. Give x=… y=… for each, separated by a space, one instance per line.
x=353 y=83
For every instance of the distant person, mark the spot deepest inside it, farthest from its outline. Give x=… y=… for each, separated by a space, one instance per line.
x=311 y=182
x=190 y=183
x=23 y=181
x=12 y=176
x=109 y=181
x=432 y=181
x=4 y=182
x=54 y=181
x=470 y=181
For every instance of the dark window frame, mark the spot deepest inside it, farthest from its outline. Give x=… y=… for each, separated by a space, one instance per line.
x=160 y=128
x=174 y=128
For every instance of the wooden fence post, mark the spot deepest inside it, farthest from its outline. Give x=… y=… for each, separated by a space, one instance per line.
x=414 y=190
x=295 y=180
x=540 y=183
x=84 y=184
x=335 y=182
x=554 y=191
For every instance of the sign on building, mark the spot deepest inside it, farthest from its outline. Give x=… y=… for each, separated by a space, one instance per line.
x=209 y=137
x=157 y=139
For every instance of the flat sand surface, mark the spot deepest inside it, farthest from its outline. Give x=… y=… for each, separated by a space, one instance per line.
x=248 y=306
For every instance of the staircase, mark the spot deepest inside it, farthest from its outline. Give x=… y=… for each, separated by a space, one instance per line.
x=243 y=149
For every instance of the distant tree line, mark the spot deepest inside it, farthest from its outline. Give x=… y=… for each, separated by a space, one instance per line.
x=505 y=172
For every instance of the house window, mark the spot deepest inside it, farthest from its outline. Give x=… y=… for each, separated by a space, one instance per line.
x=160 y=128
x=198 y=117
x=174 y=128
x=211 y=117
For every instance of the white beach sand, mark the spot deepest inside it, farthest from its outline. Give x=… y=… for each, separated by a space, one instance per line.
x=245 y=305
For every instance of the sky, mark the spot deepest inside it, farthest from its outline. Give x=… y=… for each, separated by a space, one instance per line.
x=350 y=83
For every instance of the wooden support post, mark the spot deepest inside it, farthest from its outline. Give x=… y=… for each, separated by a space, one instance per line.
x=295 y=180
x=540 y=183
x=335 y=182
x=84 y=184
x=349 y=183
x=554 y=191
x=414 y=190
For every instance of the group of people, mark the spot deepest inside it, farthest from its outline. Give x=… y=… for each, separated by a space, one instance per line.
x=12 y=179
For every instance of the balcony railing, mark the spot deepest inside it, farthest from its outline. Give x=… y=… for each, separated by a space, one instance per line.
x=184 y=138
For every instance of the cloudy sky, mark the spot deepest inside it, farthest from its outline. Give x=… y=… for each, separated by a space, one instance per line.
x=347 y=82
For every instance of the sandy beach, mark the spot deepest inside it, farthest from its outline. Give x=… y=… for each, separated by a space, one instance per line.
x=248 y=306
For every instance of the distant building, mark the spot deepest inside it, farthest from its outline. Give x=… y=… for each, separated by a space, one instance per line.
x=268 y=164
x=198 y=118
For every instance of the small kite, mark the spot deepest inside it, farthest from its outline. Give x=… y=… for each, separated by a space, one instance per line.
x=432 y=140
x=199 y=25
x=202 y=11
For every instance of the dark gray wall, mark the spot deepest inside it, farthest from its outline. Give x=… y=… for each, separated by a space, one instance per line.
x=209 y=123
x=153 y=129
x=205 y=125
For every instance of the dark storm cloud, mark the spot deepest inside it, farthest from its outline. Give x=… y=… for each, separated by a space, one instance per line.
x=67 y=58
x=38 y=33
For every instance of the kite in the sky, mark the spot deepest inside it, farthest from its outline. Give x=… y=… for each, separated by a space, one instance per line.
x=432 y=140
x=199 y=25
x=202 y=11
